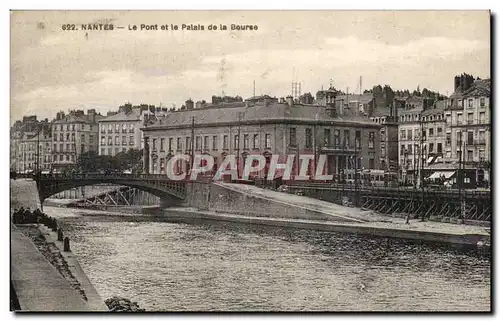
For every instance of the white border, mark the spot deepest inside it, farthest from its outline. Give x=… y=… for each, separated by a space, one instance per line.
x=198 y=5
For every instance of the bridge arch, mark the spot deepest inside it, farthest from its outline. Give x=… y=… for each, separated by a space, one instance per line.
x=158 y=186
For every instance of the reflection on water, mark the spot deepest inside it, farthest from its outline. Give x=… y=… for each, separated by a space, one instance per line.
x=235 y=267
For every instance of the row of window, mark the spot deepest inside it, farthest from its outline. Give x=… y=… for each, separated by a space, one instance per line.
x=124 y=141
x=469 y=156
x=251 y=141
x=470 y=118
x=61 y=158
x=481 y=138
x=327 y=138
x=69 y=148
x=71 y=137
x=409 y=134
x=470 y=102
x=205 y=142
x=109 y=151
x=118 y=128
x=71 y=127
x=416 y=117
x=410 y=148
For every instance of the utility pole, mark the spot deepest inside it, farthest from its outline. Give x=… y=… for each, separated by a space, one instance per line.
x=461 y=172
x=192 y=143
x=422 y=154
x=239 y=140
x=356 y=199
x=315 y=148
x=38 y=150
x=343 y=170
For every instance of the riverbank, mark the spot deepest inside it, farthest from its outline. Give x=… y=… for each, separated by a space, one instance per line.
x=65 y=263
x=38 y=285
x=415 y=230
x=428 y=231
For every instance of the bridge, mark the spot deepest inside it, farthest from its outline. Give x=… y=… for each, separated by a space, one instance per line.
x=476 y=205
x=159 y=185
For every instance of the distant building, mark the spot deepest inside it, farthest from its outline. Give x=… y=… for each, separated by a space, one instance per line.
x=468 y=132
x=121 y=131
x=387 y=118
x=410 y=128
x=25 y=135
x=264 y=125
x=73 y=135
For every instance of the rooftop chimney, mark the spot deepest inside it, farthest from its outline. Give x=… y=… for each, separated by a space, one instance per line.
x=289 y=100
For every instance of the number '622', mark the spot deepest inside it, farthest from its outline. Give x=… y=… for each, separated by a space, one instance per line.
x=69 y=27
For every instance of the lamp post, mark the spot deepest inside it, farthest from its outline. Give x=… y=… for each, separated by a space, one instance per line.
x=37 y=163
x=422 y=155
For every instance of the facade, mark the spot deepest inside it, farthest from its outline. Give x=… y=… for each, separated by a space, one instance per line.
x=468 y=120
x=73 y=135
x=25 y=135
x=434 y=127
x=410 y=127
x=389 y=143
x=121 y=132
x=265 y=127
x=29 y=150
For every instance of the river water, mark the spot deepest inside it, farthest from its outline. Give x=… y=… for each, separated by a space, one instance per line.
x=209 y=266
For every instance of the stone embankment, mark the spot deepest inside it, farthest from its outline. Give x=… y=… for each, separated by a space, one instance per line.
x=24 y=193
x=53 y=254
x=44 y=276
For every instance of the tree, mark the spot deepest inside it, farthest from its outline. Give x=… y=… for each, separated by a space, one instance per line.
x=88 y=161
x=128 y=160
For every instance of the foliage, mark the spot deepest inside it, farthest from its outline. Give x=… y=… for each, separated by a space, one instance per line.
x=129 y=160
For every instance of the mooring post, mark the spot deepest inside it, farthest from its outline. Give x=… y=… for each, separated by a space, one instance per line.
x=66 y=245
x=60 y=235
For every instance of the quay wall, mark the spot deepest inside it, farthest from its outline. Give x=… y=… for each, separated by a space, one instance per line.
x=185 y=214
x=216 y=197
x=23 y=192
x=55 y=293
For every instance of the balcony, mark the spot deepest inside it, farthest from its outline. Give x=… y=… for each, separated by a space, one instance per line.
x=339 y=149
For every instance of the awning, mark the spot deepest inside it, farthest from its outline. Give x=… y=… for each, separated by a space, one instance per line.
x=440 y=174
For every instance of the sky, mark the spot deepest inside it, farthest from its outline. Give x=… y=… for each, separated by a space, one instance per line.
x=54 y=69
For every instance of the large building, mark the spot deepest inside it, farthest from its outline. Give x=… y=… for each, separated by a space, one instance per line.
x=265 y=126
x=120 y=131
x=73 y=134
x=25 y=156
x=420 y=136
x=434 y=126
x=468 y=132
x=389 y=143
